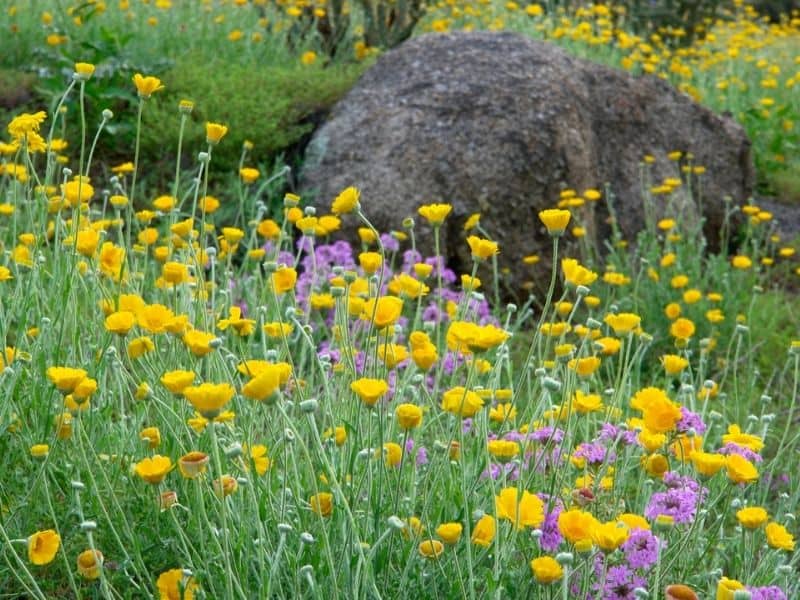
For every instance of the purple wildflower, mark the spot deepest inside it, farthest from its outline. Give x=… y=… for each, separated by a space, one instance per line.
x=744 y=451
x=679 y=501
x=641 y=549
x=620 y=583
x=551 y=537
x=771 y=592
x=613 y=434
x=595 y=454
x=690 y=420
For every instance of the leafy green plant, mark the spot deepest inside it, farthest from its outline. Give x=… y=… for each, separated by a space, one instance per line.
x=272 y=107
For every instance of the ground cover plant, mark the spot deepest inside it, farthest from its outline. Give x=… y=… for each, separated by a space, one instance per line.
x=725 y=54
x=199 y=407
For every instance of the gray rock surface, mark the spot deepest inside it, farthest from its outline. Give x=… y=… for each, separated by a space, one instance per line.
x=499 y=124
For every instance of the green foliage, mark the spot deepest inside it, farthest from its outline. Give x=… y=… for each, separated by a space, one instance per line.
x=273 y=107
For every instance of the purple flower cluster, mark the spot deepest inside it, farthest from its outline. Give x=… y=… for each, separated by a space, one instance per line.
x=690 y=421
x=679 y=501
x=494 y=471
x=744 y=451
x=421 y=454
x=595 y=454
x=641 y=549
x=620 y=582
x=550 y=539
x=615 y=435
x=771 y=592
x=547 y=434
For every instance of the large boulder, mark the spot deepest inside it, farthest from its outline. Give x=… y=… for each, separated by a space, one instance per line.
x=500 y=124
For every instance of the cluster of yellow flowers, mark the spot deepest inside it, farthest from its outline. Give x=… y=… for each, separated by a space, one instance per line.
x=328 y=387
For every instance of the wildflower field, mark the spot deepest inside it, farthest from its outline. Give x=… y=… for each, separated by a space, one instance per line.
x=206 y=393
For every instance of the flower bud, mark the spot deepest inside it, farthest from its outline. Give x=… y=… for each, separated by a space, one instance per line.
x=88 y=525
x=564 y=558
x=309 y=406
x=307 y=538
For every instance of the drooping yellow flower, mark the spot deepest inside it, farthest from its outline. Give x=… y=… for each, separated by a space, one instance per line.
x=556 y=220
x=682 y=329
x=120 y=322
x=171 y=582
x=322 y=504
x=369 y=390
x=140 y=346
x=706 y=463
x=392 y=454
x=383 y=311
x=193 y=464
x=726 y=588
x=503 y=450
x=284 y=280
x=503 y=412
x=576 y=274
x=242 y=327
x=585 y=366
x=153 y=469
x=199 y=342
x=86 y=242
x=484 y=531
x=347 y=202
x=264 y=385
x=215 y=132
x=77 y=191
x=430 y=549
x=740 y=470
x=175 y=272
x=147 y=86
x=674 y=364
x=40 y=450
x=466 y=336
x=741 y=262
x=151 y=435
x=409 y=416
x=462 y=402
x=527 y=512
x=577 y=526
x=338 y=433
x=259 y=458
x=482 y=249
x=66 y=379
x=546 y=569
x=752 y=517
x=736 y=436
x=778 y=537
x=209 y=398
x=249 y=175
x=406 y=285
x=177 y=381
x=370 y=261
x=89 y=564
x=111 y=259
x=435 y=214
x=43 y=546
x=623 y=323
x=450 y=533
